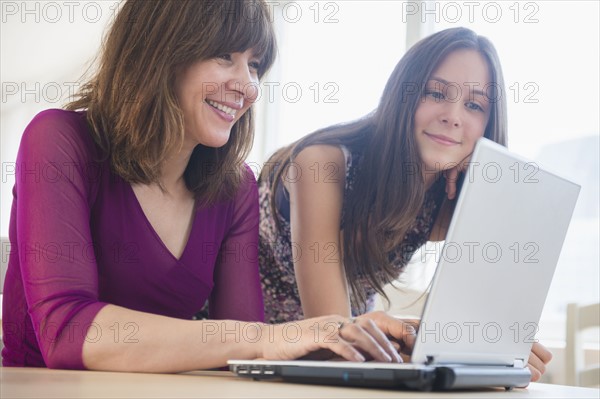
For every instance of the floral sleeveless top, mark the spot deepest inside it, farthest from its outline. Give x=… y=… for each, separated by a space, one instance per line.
x=280 y=291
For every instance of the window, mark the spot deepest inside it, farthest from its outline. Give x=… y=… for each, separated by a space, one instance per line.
x=46 y=47
x=334 y=60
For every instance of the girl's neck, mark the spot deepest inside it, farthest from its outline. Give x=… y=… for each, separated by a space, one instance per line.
x=430 y=178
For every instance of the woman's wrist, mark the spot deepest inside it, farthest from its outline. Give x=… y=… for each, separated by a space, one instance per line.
x=263 y=340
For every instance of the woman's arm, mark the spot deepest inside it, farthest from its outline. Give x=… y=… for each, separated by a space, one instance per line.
x=237 y=292
x=159 y=344
x=316 y=189
x=74 y=329
x=53 y=191
x=152 y=343
x=121 y=339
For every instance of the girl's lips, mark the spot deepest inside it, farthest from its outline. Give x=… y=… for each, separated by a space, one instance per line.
x=441 y=139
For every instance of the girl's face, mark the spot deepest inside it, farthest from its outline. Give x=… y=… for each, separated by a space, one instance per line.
x=454 y=111
x=214 y=94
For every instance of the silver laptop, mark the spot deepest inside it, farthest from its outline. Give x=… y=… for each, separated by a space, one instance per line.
x=488 y=291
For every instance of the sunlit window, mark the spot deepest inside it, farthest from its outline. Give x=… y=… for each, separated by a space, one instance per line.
x=334 y=60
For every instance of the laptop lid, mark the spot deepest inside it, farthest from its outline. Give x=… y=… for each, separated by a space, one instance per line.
x=487 y=294
x=497 y=262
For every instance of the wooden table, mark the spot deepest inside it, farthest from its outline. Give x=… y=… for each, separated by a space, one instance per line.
x=44 y=383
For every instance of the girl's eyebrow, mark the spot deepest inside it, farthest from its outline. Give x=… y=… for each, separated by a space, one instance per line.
x=445 y=82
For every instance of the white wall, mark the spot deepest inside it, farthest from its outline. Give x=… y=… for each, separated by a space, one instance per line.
x=45 y=47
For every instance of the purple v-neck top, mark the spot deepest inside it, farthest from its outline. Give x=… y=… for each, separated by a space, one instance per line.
x=80 y=240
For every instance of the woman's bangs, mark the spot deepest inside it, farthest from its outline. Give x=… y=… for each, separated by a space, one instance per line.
x=246 y=27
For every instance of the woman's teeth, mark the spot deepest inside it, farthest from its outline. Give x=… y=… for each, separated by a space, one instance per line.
x=221 y=107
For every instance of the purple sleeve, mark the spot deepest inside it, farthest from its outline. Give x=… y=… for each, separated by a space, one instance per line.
x=237 y=293
x=55 y=249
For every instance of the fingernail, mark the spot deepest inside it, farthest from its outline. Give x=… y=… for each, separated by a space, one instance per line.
x=359 y=358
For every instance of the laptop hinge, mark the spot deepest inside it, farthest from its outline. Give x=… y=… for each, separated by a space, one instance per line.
x=517 y=363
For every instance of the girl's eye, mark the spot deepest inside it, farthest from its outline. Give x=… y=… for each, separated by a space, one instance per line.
x=254 y=65
x=226 y=57
x=474 y=106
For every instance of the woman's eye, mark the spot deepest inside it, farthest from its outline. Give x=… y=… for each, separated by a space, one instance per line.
x=435 y=94
x=226 y=57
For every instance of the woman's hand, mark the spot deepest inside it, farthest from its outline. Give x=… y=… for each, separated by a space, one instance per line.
x=355 y=340
x=403 y=332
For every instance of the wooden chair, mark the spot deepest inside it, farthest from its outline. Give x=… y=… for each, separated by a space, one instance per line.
x=4 y=252
x=580 y=318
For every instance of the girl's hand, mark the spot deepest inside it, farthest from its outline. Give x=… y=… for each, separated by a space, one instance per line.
x=538 y=359
x=452 y=176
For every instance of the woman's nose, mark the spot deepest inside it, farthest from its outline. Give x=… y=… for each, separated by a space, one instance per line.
x=244 y=81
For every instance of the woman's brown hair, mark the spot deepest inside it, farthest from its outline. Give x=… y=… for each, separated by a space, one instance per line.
x=390 y=179
x=131 y=103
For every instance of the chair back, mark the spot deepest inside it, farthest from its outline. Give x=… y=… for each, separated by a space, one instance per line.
x=579 y=319
x=4 y=253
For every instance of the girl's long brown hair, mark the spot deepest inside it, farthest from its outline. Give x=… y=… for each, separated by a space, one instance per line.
x=131 y=105
x=389 y=187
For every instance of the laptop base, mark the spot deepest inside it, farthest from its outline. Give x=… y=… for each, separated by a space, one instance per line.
x=385 y=376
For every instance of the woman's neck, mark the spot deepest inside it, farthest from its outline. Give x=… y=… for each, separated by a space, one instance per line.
x=172 y=171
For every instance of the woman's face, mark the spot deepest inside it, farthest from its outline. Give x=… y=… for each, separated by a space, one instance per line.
x=214 y=94
x=454 y=111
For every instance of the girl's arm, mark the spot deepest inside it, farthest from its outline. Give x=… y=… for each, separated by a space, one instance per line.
x=316 y=190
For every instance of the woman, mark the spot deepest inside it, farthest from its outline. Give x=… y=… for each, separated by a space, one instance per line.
x=346 y=207
x=145 y=210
